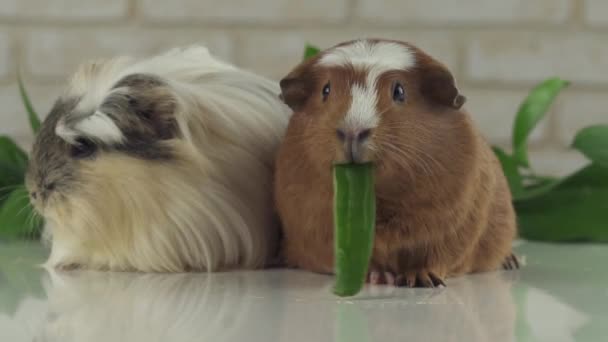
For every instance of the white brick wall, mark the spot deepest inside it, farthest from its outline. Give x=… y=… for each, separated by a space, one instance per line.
x=54 y=53
x=497 y=49
x=531 y=56
x=64 y=10
x=6 y=55
x=258 y=11
x=464 y=11
x=596 y=12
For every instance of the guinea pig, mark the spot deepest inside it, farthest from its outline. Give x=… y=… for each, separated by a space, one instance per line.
x=443 y=204
x=162 y=164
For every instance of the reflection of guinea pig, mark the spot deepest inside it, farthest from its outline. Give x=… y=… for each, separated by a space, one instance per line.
x=443 y=203
x=136 y=307
x=162 y=164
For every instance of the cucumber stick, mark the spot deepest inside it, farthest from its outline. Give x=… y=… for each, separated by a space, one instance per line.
x=354 y=221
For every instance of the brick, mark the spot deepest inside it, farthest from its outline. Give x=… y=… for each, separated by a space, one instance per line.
x=531 y=57
x=493 y=111
x=274 y=54
x=596 y=12
x=14 y=121
x=576 y=110
x=463 y=11
x=556 y=161
x=101 y=10
x=260 y=11
x=6 y=55
x=56 y=53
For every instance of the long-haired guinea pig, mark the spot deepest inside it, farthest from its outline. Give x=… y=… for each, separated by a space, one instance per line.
x=443 y=204
x=162 y=164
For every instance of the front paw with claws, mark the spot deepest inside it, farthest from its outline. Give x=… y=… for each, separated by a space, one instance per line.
x=420 y=278
x=381 y=277
x=406 y=279
x=511 y=262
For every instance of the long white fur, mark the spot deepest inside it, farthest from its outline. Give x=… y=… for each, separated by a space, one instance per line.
x=211 y=209
x=97 y=126
x=375 y=58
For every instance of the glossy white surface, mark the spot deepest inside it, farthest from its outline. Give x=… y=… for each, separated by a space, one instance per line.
x=560 y=295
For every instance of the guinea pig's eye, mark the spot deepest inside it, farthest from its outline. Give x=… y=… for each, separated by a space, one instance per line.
x=326 y=90
x=398 y=92
x=83 y=148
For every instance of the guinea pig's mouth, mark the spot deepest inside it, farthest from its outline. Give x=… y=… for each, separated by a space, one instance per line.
x=36 y=203
x=40 y=198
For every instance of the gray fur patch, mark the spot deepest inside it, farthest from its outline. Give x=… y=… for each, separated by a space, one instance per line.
x=50 y=167
x=143 y=108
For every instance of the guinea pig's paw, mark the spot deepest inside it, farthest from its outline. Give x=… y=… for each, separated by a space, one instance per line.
x=419 y=278
x=511 y=262
x=377 y=276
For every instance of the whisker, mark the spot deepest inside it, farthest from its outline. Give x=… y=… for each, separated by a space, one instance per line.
x=10 y=187
x=22 y=209
x=417 y=157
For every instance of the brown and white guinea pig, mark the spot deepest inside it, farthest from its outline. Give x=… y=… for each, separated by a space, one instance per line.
x=443 y=204
x=162 y=164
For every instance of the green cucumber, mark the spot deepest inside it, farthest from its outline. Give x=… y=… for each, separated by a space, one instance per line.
x=354 y=221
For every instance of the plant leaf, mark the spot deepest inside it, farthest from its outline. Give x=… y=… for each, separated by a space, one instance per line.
x=310 y=51
x=510 y=169
x=519 y=190
x=593 y=143
x=574 y=210
x=13 y=163
x=16 y=216
x=537 y=189
x=33 y=117
x=12 y=154
x=530 y=112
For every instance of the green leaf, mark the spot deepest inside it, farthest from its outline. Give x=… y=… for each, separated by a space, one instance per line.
x=574 y=210
x=13 y=163
x=537 y=189
x=34 y=119
x=510 y=169
x=593 y=143
x=16 y=216
x=517 y=183
x=310 y=51
x=354 y=222
x=12 y=154
x=530 y=112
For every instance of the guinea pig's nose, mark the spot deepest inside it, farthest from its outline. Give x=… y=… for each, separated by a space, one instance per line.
x=355 y=136
x=33 y=195
x=353 y=143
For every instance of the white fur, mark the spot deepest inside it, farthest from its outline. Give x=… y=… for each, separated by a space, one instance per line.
x=66 y=133
x=364 y=53
x=97 y=126
x=375 y=59
x=210 y=210
x=362 y=112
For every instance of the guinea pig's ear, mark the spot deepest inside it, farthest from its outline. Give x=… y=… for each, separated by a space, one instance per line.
x=296 y=87
x=438 y=85
x=139 y=107
x=142 y=105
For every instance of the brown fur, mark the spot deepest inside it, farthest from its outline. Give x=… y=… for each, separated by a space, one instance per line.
x=443 y=204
